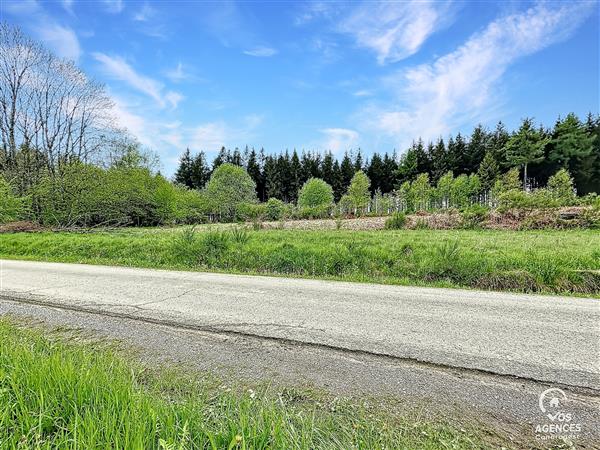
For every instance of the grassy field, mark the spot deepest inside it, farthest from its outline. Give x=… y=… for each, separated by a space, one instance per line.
x=525 y=261
x=59 y=393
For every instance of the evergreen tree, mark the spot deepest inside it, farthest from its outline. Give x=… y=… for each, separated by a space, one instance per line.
x=525 y=147
x=236 y=157
x=253 y=169
x=476 y=149
x=459 y=154
x=497 y=145
x=337 y=183
x=200 y=173
x=296 y=176
x=375 y=172
x=488 y=171
x=388 y=177
x=183 y=175
x=346 y=172
x=572 y=145
x=358 y=161
x=273 y=182
x=439 y=161
x=222 y=157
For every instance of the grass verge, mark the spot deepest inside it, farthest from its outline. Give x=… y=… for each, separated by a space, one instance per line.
x=565 y=261
x=59 y=394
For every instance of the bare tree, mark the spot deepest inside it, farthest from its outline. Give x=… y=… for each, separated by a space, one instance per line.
x=49 y=105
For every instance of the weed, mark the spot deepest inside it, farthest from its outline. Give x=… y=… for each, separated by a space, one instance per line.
x=240 y=235
x=396 y=221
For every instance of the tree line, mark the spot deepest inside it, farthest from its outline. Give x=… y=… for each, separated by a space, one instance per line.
x=538 y=153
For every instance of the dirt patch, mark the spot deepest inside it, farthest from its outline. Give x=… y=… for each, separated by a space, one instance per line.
x=20 y=227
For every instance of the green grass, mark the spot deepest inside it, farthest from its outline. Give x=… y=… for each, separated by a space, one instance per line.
x=59 y=394
x=566 y=261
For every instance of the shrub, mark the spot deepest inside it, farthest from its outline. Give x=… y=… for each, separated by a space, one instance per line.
x=275 y=209
x=315 y=194
x=396 y=221
x=213 y=245
x=228 y=187
x=250 y=212
x=560 y=186
x=473 y=216
x=11 y=207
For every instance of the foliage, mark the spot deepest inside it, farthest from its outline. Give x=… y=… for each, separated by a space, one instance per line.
x=228 y=187
x=396 y=221
x=473 y=216
x=315 y=198
x=421 y=192
x=12 y=208
x=560 y=186
x=275 y=209
x=358 y=192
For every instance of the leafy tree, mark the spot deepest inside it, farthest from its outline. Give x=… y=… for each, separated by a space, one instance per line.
x=316 y=197
x=525 y=147
x=421 y=192
x=561 y=188
x=228 y=187
x=460 y=191
x=444 y=189
x=358 y=191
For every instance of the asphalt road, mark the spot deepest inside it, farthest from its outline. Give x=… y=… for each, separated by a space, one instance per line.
x=549 y=339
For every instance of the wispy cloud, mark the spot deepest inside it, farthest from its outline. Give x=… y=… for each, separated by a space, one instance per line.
x=178 y=74
x=459 y=87
x=114 y=6
x=395 y=30
x=119 y=69
x=212 y=136
x=262 y=52
x=60 y=38
x=339 y=139
x=145 y=13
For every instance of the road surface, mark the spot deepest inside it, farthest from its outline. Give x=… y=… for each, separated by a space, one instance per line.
x=551 y=339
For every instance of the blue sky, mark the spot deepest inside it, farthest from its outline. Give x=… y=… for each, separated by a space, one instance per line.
x=323 y=75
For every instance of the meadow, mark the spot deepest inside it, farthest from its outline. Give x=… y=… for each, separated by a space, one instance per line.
x=57 y=391
x=540 y=261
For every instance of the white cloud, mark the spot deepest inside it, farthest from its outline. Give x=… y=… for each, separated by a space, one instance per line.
x=212 y=136
x=395 y=30
x=178 y=74
x=261 y=52
x=67 y=5
x=135 y=124
x=59 y=38
x=362 y=93
x=144 y=14
x=458 y=88
x=62 y=40
x=114 y=6
x=339 y=139
x=118 y=68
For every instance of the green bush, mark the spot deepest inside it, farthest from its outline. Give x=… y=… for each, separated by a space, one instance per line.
x=250 y=212
x=473 y=216
x=275 y=209
x=11 y=207
x=229 y=187
x=560 y=187
x=396 y=221
x=315 y=196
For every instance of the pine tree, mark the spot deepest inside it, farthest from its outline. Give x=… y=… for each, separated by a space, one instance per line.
x=222 y=157
x=459 y=151
x=200 y=173
x=253 y=169
x=488 y=171
x=375 y=172
x=183 y=175
x=476 y=149
x=525 y=147
x=497 y=145
x=346 y=171
x=439 y=161
x=388 y=177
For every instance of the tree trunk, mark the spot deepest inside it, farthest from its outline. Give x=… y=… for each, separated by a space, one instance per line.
x=525 y=178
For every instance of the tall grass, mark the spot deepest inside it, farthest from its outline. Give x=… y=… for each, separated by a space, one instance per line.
x=55 y=394
x=565 y=261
